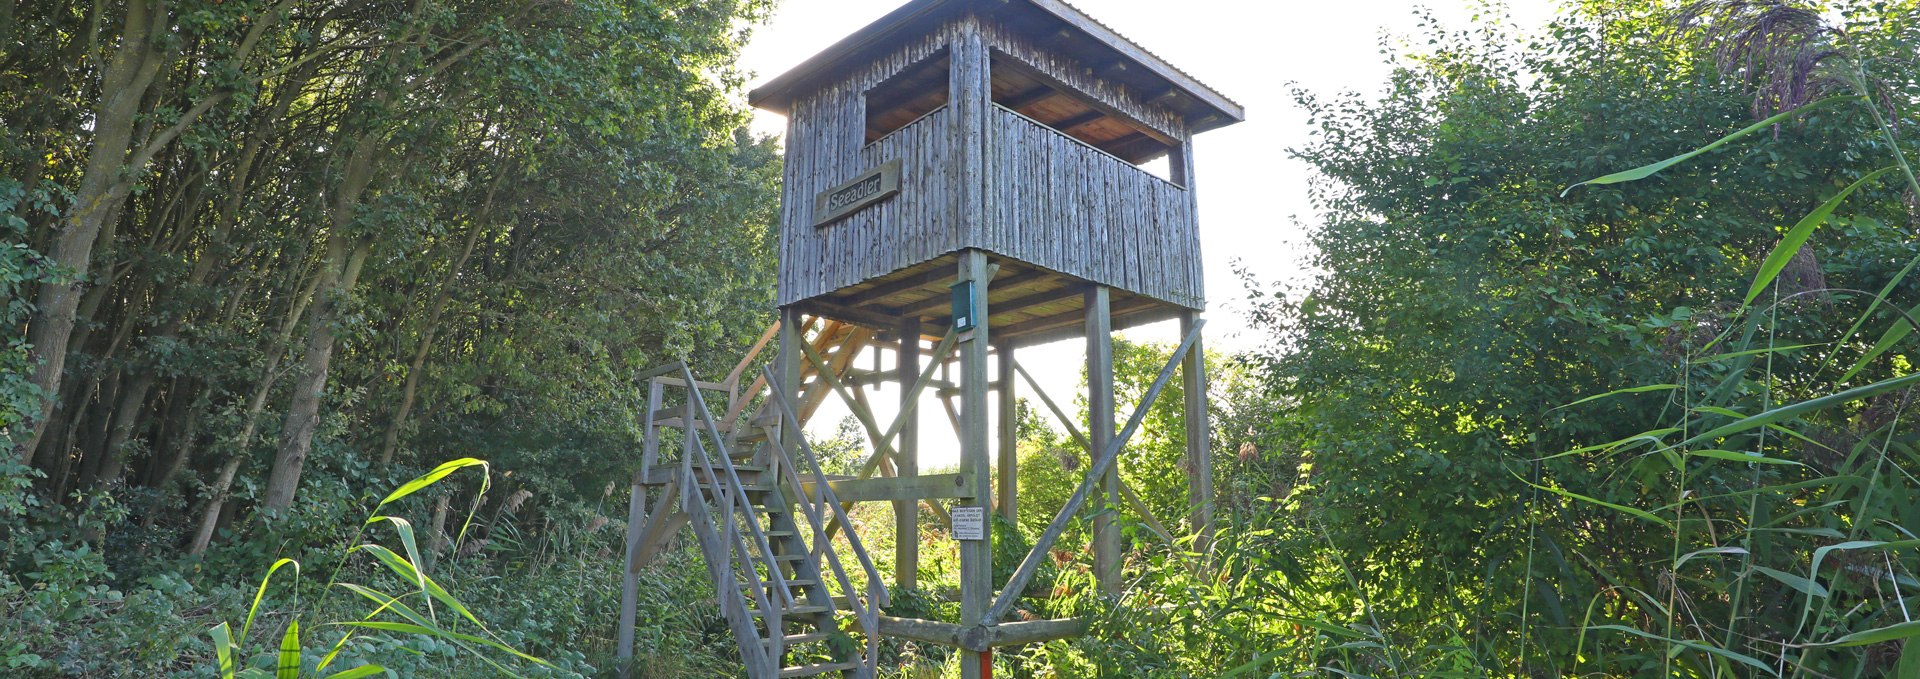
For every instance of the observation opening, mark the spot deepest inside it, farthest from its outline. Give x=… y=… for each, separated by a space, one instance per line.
x=1021 y=89
x=909 y=96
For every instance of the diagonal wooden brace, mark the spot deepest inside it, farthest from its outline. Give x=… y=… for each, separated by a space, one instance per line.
x=1028 y=566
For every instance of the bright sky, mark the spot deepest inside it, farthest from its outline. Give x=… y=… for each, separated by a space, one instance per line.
x=1253 y=197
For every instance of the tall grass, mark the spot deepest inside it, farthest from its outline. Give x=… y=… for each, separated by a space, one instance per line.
x=390 y=613
x=1835 y=550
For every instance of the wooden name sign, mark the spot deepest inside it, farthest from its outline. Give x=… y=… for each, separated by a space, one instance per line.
x=870 y=187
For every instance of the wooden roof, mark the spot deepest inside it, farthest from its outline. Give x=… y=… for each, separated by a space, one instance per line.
x=1072 y=31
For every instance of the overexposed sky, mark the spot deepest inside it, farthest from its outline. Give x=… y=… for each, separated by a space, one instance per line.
x=1253 y=197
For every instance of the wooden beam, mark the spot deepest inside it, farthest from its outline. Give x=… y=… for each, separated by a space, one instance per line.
x=940 y=303
x=1032 y=96
x=1009 y=437
x=1068 y=319
x=1036 y=631
x=1106 y=534
x=1020 y=304
x=924 y=631
x=976 y=556
x=906 y=514
x=704 y=386
x=1193 y=382
x=1126 y=492
x=733 y=376
x=880 y=291
x=1043 y=547
x=1068 y=125
x=901 y=488
x=839 y=312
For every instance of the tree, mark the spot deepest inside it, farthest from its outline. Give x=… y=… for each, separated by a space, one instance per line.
x=1463 y=300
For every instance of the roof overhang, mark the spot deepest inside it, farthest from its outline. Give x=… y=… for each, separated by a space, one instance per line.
x=1203 y=108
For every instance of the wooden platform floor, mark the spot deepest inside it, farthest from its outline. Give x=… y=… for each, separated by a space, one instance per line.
x=1025 y=304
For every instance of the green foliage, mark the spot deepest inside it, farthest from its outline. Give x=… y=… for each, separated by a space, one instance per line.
x=524 y=203
x=1443 y=367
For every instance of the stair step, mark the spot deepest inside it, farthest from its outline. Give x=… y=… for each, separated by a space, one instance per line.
x=789 y=557
x=792 y=640
x=744 y=485
x=803 y=609
x=779 y=534
x=817 y=670
x=681 y=423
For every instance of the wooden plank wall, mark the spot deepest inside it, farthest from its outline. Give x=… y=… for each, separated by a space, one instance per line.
x=1014 y=187
x=826 y=145
x=1074 y=209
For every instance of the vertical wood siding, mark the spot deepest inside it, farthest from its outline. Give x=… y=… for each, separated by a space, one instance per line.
x=979 y=176
x=1069 y=207
x=826 y=145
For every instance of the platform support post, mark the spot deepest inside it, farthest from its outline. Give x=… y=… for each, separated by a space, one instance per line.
x=1193 y=382
x=906 y=513
x=1106 y=533
x=976 y=556
x=789 y=363
x=1006 y=468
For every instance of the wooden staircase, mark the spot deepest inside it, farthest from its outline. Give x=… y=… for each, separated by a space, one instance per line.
x=759 y=507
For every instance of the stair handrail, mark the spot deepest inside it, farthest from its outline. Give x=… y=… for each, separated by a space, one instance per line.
x=877 y=594
x=728 y=500
x=757 y=660
x=734 y=493
x=735 y=488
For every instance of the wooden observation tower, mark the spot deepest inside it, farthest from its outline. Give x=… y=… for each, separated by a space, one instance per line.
x=963 y=178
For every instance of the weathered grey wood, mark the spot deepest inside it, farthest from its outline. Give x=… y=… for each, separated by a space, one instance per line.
x=925 y=631
x=731 y=495
x=714 y=549
x=903 y=488
x=661 y=526
x=1199 y=445
x=1037 y=631
x=822 y=493
x=976 y=556
x=1008 y=500
x=979 y=175
x=636 y=551
x=1101 y=462
x=705 y=386
x=740 y=369
x=1106 y=534
x=906 y=513
x=630 y=581
x=1126 y=492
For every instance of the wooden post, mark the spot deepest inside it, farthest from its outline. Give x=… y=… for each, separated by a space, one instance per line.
x=1106 y=535
x=976 y=556
x=636 y=519
x=906 y=514
x=789 y=362
x=630 y=582
x=1008 y=502
x=1193 y=380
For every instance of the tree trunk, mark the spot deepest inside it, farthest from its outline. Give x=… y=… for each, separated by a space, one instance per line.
x=216 y=501
x=102 y=188
x=339 y=272
x=436 y=310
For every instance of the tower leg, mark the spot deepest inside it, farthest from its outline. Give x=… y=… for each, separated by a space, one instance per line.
x=906 y=513
x=1193 y=382
x=630 y=583
x=976 y=556
x=1009 y=431
x=1106 y=534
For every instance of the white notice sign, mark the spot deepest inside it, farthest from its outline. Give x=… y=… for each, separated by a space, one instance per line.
x=969 y=523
